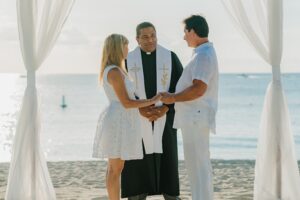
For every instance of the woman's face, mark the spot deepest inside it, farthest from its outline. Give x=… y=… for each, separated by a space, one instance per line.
x=125 y=51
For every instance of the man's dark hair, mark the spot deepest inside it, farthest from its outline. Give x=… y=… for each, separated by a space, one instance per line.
x=198 y=24
x=143 y=25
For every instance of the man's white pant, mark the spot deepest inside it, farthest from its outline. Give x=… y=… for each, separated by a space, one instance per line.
x=197 y=161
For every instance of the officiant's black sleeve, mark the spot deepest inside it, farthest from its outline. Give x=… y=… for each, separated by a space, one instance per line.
x=175 y=75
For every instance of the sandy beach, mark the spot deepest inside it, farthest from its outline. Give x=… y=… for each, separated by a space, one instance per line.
x=84 y=180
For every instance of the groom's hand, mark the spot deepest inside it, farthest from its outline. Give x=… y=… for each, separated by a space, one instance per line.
x=167 y=98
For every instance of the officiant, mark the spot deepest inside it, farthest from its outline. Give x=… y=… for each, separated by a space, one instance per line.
x=153 y=69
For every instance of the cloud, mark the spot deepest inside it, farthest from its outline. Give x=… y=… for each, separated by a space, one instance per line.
x=71 y=35
x=80 y=42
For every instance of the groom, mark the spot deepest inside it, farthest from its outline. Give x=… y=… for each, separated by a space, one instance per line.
x=154 y=69
x=196 y=100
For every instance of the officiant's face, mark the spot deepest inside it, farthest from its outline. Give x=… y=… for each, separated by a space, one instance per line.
x=147 y=39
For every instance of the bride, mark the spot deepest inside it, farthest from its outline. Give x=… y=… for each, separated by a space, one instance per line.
x=118 y=136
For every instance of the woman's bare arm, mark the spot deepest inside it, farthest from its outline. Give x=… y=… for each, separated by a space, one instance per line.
x=116 y=79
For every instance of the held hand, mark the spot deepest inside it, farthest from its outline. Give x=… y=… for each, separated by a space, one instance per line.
x=156 y=98
x=168 y=98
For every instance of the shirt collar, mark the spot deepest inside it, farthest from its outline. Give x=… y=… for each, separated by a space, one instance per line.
x=201 y=46
x=148 y=53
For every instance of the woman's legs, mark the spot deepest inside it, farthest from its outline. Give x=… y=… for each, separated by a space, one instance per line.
x=114 y=170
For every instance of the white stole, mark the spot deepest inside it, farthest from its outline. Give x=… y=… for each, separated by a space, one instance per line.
x=152 y=138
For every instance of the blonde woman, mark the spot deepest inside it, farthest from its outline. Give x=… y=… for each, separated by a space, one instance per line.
x=118 y=136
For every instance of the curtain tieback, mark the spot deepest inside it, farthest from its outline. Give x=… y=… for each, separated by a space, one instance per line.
x=30 y=79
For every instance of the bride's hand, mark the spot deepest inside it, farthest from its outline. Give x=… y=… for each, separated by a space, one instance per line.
x=156 y=98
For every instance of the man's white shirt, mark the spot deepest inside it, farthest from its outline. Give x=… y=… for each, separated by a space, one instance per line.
x=203 y=66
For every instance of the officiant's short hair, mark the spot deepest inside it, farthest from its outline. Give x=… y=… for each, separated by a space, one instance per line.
x=143 y=25
x=198 y=24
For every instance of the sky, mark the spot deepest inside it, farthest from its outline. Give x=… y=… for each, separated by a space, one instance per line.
x=78 y=49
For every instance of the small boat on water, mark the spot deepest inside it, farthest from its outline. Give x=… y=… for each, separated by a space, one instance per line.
x=63 y=102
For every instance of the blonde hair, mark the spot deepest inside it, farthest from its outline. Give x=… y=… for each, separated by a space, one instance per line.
x=113 y=52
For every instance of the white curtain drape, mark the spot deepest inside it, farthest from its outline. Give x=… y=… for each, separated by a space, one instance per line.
x=276 y=169
x=40 y=22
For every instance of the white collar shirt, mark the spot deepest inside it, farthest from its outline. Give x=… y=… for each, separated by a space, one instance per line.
x=203 y=66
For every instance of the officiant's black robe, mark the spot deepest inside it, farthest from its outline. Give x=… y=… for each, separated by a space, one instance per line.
x=155 y=173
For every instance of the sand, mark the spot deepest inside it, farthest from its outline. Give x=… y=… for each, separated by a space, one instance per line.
x=85 y=180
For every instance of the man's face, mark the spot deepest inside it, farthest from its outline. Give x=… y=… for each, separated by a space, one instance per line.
x=147 y=39
x=189 y=37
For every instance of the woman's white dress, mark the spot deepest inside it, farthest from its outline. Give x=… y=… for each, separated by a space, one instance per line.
x=118 y=133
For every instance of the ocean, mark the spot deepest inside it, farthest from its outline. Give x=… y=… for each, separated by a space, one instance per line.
x=67 y=133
